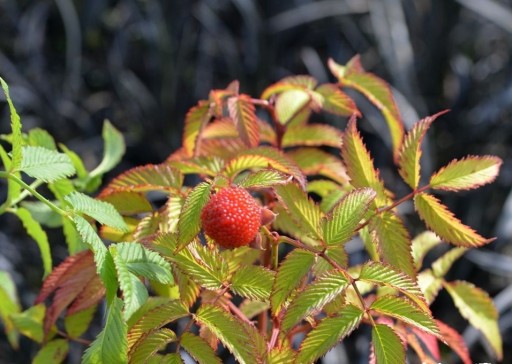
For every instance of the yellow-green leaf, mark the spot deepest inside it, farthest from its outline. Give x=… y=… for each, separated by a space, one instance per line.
x=54 y=351
x=467 y=173
x=421 y=245
x=312 y=135
x=195 y=121
x=243 y=113
x=443 y=222
x=199 y=349
x=430 y=285
x=290 y=103
x=9 y=305
x=387 y=347
x=336 y=101
x=17 y=139
x=477 y=307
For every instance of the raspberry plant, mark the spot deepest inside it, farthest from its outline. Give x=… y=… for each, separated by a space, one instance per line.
x=293 y=293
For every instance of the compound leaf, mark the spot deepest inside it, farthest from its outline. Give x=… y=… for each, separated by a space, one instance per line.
x=243 y=113
x=339 y=226
x=264 y=178
x=421 y=245
x=147 y=346
x=291 y=272
x=318 y=293
x=199 y=349
x=290 y=103
x=328 y=332
x=110 y=346
x=387 y=347
x=466 y=174
x=45 y=164
x=253 y=282
x=443 y=222
x=477 y=307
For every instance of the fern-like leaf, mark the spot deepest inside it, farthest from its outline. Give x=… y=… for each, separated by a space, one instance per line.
x=264 y=178
x=195 y=121
x=147 y=346
x=328 y=332
x=336 y=101
x=199 y=349
x=243 y=113
x=387 y=346
x=312 y=135
x=443 y=222
x=45 y=164
x=466 y=174
x=253 y=282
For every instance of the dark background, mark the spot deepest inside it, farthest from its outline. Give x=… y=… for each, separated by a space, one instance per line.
x=142 y=64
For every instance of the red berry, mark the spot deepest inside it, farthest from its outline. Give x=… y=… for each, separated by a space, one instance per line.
x=231 y=217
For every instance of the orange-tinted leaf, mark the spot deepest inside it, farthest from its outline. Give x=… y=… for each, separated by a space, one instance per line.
x=467 y=173
x=312 y=135
x=376 y=90
x=243 y=113
x=444 y=223
x=455 y=341
x=314 y=161
x=429 y=341
x=290 y=104
x=195 y=121
x=336 y=101
x=128 y=203
x=359 y=163
x=410 y=151
x=218 y=96
x=289 y=83
x=220 y=128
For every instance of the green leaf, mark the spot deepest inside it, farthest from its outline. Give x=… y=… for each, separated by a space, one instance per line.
x=13 y=188
x=442 y=265
x=328 y=333
x=387 y=347
x=45 y=164
x=102 y=257
x=154 y=317
x=134 y=291
x=77 y=323
x=421 y=245
x=148 y=345
x=394 y=243
x=254 y=282
x=467 y=173
x=101 y=211
x=443 y=222
x=252 y=308
x=264 y=178
x=318 y=293
x=477 y=307
x=37 y=233
x=242 y=340
x=30 y=322
x=312 y=135
x=360 y=164
x=195 y=120
x=9 y=305
x=282 y=355
x=331 y=166
x=340 y=225
x=243 y=113
x=385 y=275
x=38 y=137
x=305 y=82
x=376 y=90
x=43 y=214
x=336 y=253
x=113 y=150
x=410 y=151
x=290 y=103
x=189 y=223
x=110 y=346
x=128 y=203
x=263 y=157
x=81 y=171
x=336 y=101
x=17 y=139
x=291 y=272
x=302 y=209
x=402 y=309
x=199 y=349
x=430 y=285
x=54 y=351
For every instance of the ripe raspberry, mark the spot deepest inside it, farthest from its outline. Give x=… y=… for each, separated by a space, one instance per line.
x=231 y=217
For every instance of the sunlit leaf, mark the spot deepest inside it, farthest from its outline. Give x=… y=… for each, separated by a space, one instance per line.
x=189 y=223
x=36 y=232
x=314 y=161
x=110 y=346
x=402 y=309
x=113 y=150
x=9 y=305
x=477 y=307
x=149 y=344
x=336 y=101
x=128 y=203
x=421 y=245
x=430 y=284
x=78 y=323
x=291 y=272
x=253 y=282
x=442 y=265
x=387 y=347
x=376 y=90
x=45 y=164
x=360 y=164
x=394 y=243
x=340 y=225
x=312 y=135
x=443 y=222
x=17 y=139
x=30 y=322
x=264 y=178
x=195 y=121
x=318 y=293
x=328 y=332
x=38 y=137
x=199 y=349
x=290 y=103
x=290 y=83
x=467 y=173
x=243 y=113
x=410 y=151
x=455 y=341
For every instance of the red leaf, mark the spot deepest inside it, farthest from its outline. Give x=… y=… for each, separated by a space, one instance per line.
x=454 y=341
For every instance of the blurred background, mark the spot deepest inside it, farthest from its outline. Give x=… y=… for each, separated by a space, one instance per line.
x=143 y=63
